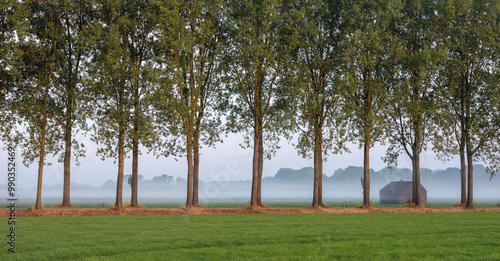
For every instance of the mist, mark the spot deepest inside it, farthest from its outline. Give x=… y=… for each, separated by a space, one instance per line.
x=287 y=185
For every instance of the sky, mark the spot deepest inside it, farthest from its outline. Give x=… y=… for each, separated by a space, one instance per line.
x=227 y=161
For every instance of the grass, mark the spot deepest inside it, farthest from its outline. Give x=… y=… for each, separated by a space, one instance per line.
x=301 y=203
x=376 y=236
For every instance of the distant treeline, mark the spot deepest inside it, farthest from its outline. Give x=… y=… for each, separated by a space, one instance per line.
x=296 y=184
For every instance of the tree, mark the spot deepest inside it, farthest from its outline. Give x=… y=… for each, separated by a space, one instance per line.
x=315 y=75
x=64 y=24
x=257 y=56
x=70 y=91
x=34 y=99
x=411 y=103
x=192 y=42
x=123 y=74
x=469 y=93
x=368 y=73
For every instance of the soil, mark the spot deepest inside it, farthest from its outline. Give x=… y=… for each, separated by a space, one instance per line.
x=74 y=211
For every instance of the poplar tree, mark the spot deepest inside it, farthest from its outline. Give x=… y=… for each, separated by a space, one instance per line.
x=34 y=98
x=411 y=105
x=369 y=71
x=192 y=42
x=314 y=73
x=469 y=94
x=123 y=73
x=62 y=23
x=257 y=56
x=70 y=91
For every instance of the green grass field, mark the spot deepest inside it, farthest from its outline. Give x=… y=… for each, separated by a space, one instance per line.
x=376 y=236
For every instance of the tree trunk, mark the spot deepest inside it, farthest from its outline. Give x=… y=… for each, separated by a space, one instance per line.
x=135 y=169
x=189 y=199
x=135 y=150
x=255 y=168
x=470 y=170
x=261 y=169
x=317 y=166
x=196 y=167
x=67 y=158
x=366 y=172
x=121 y=161
x=38 y=203
x=417 y=199
x=320 y=165
x=43 y=137
x=315 y=202
x=320 y=179
x=463 y=173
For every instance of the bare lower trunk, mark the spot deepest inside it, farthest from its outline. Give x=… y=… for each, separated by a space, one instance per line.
x=417 y=199
x=38 y=202
x=134 y=202
x=261 y=169
x=315 y=203
x=189 y=199
x=318 y=167
x=470 y=170
x=196 y=168
x=320 y=179
x=255 y=173
x=43 y=137
x=121 y=161
x=67 y=163
x=135 y=172
x=463 y=175
x=366 y=174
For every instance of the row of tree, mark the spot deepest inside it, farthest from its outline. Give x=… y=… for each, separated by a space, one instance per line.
x=167 y=74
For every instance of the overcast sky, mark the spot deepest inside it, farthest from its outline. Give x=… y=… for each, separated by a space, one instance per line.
x=225 y=162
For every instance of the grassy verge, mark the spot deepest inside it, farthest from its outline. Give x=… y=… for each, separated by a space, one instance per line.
x=231 y=203
x=377 y=236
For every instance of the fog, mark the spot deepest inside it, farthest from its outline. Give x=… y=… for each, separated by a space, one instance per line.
x=286 y=185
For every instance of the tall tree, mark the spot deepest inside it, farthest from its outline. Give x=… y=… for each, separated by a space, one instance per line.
x=34 y=99
x=70 y=92
x=193 y=40
x=411 y=105
x=470 y=91
x=257 y=58
x=123 y=72
x=368 y=73
x=315 y=75
x=64 y=24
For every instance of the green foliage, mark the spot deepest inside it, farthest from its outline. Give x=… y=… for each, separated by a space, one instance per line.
x=256 y=57
x=191 y=98
x=33 y=101
x=469 y=88
x=369 y=65
x=11 y=17
x=411 y=105
x=430 y=236
x=313 y=76
x=123 y=73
